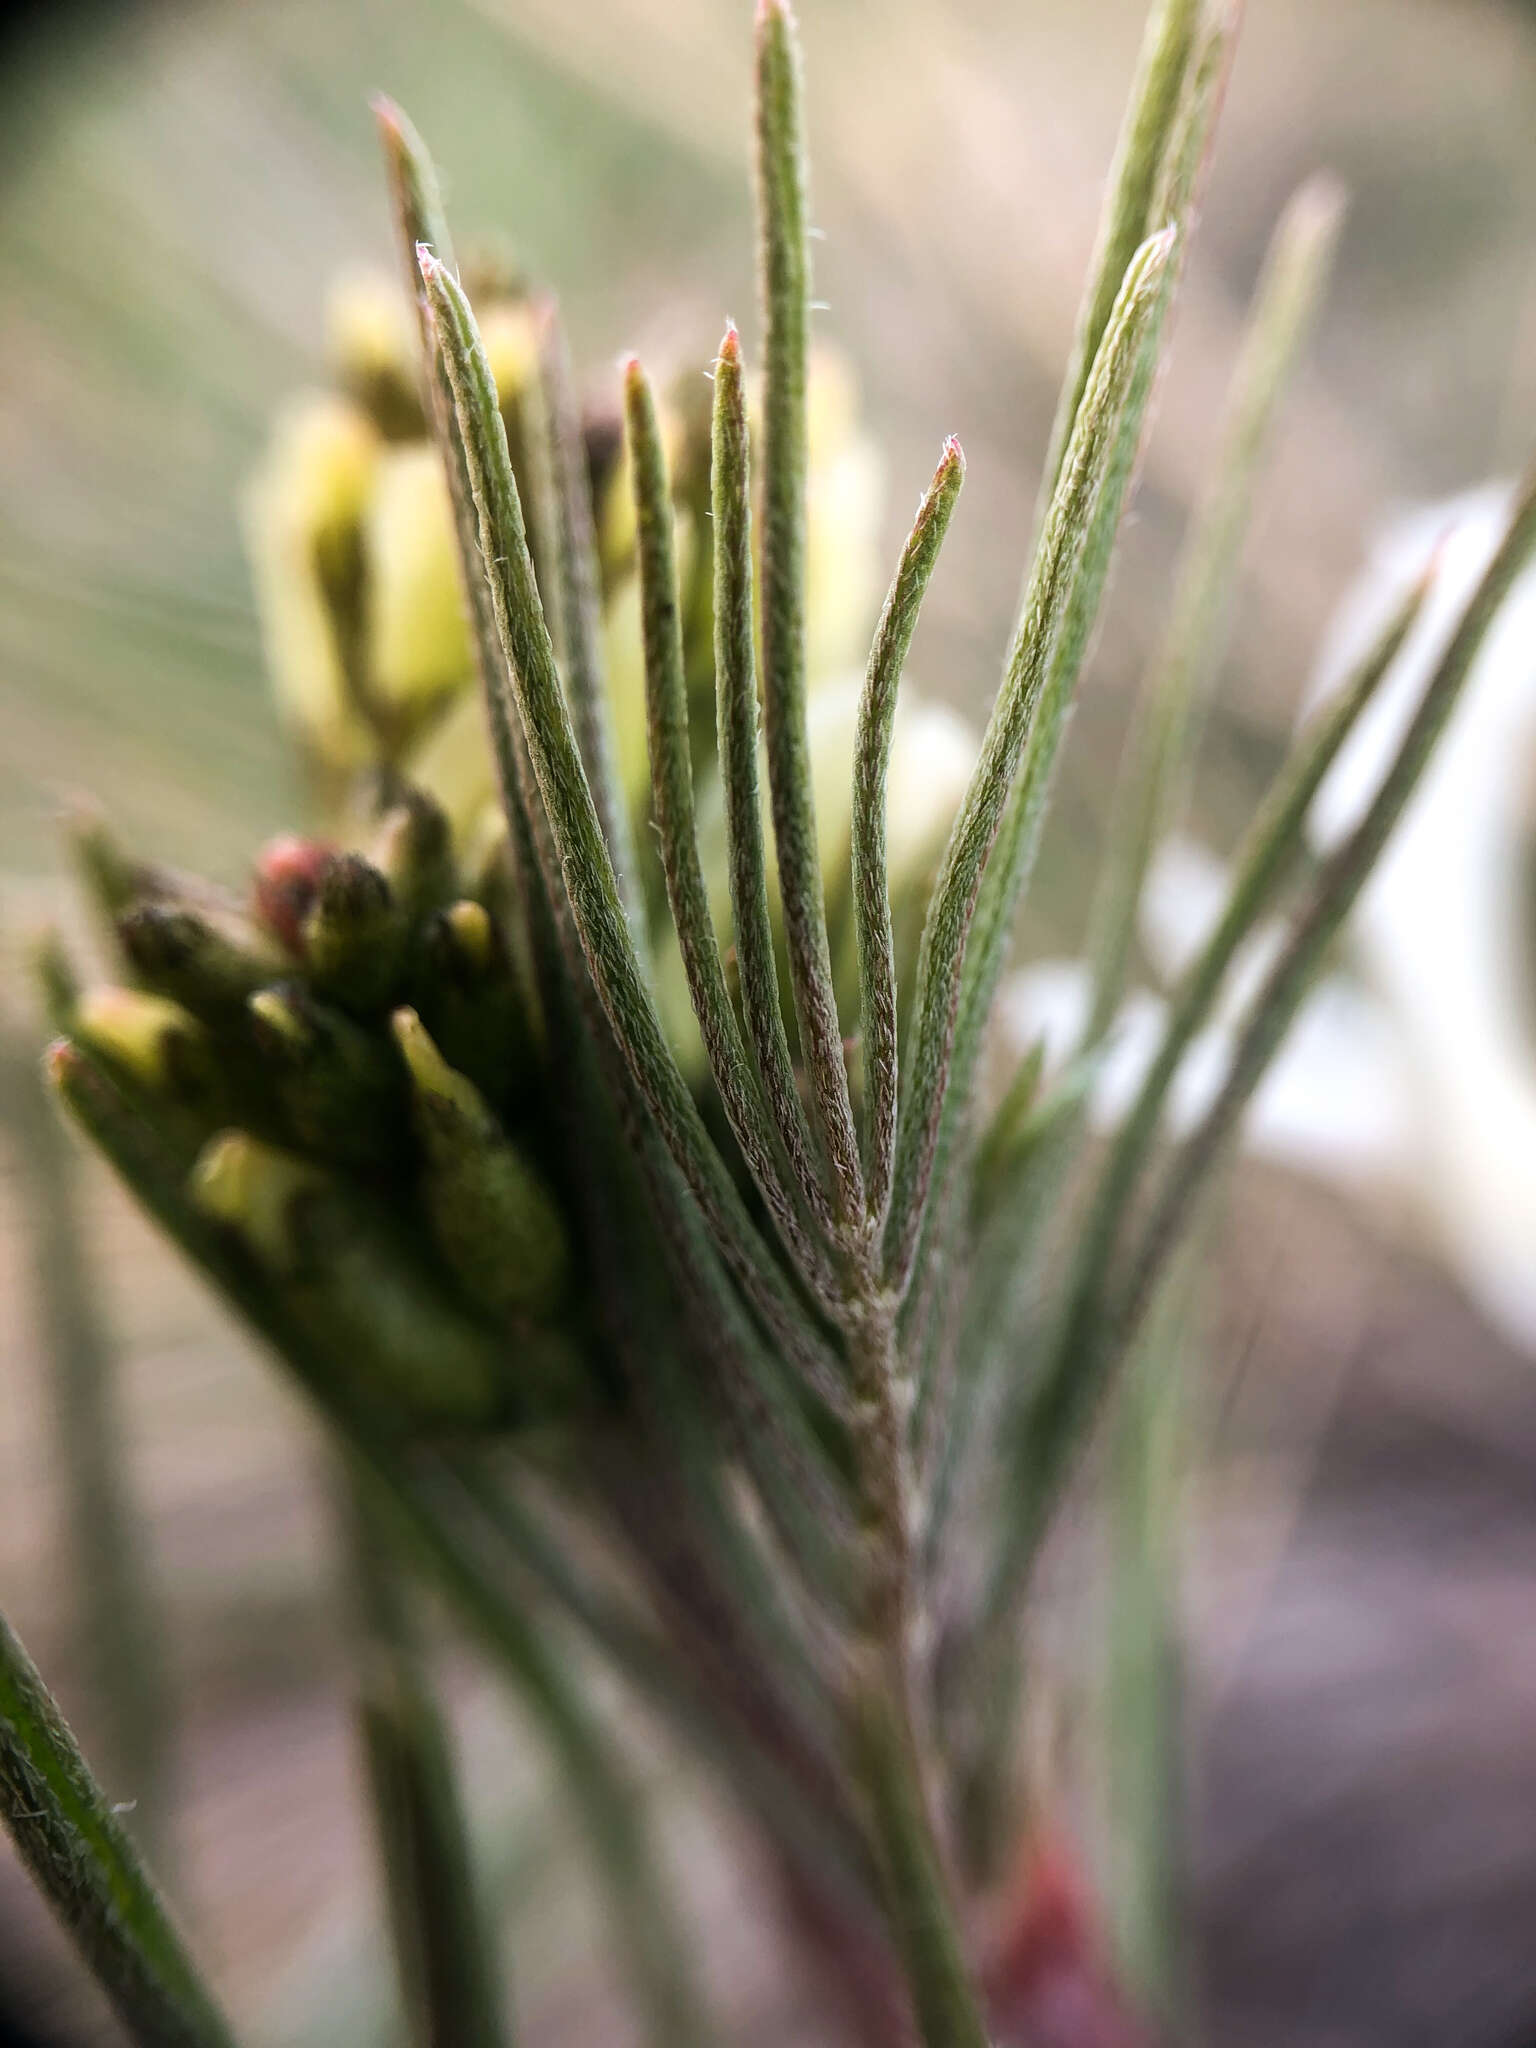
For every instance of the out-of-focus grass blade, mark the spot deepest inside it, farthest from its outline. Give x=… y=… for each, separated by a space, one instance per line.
x=1058 y=568
x=1170 y=717
x=79 y=1857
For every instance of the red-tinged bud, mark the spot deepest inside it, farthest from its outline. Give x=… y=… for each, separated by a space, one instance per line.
x=287 y=879
x=1047 y=1981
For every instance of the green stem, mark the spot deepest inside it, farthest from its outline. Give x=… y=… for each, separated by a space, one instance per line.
x=920 y=1910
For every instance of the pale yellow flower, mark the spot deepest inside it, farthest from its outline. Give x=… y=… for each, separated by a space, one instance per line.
x=304 y=512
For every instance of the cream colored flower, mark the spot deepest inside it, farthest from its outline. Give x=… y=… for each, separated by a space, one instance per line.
x=416 y=634
x=304 y=513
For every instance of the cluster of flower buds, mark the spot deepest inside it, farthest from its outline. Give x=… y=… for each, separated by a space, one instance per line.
x=346 y=1072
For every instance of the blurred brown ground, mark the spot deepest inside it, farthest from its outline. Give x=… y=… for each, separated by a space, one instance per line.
x=179 y=185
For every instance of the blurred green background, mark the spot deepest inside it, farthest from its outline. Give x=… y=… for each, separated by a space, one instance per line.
x=181 y=182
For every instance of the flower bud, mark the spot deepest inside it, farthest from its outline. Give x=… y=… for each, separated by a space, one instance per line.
x=285 y=883
x=452 y=764
x=158 y=1054
x=413 y=850
x=371 y=343
x=56 y=980
x=354 y=935
x=416 y=644
x=338 y=1087
x=178 y=952
x=468 y=998
x=148 y=1039
x=354 y=1286
x=304 y=525
x=113 y=879
x=495 y=1222
x=252 y=1188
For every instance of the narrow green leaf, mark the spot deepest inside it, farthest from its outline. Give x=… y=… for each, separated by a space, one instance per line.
x=1330 y=900
x=1095 y=1332
x=416 y=199
x=784 y=279
x=1186 y=143
x=590 y=888
x=1040 y=1434
x=1127 y=218
x=531 y=433
x=1274 y=842
x=68 y=1837
x=610 y=1809
x=1058 y=566
x=420 y=221
x=1173 y=204
x=581 y=599
x=1167 y=728
x=871 y=878
x=116 y=1621
x=666 y=700
x=736 y=715
x=445 y=1954
x=1145 y=1783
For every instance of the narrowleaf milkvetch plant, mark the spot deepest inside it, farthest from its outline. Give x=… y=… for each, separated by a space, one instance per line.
x=611 y=1164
